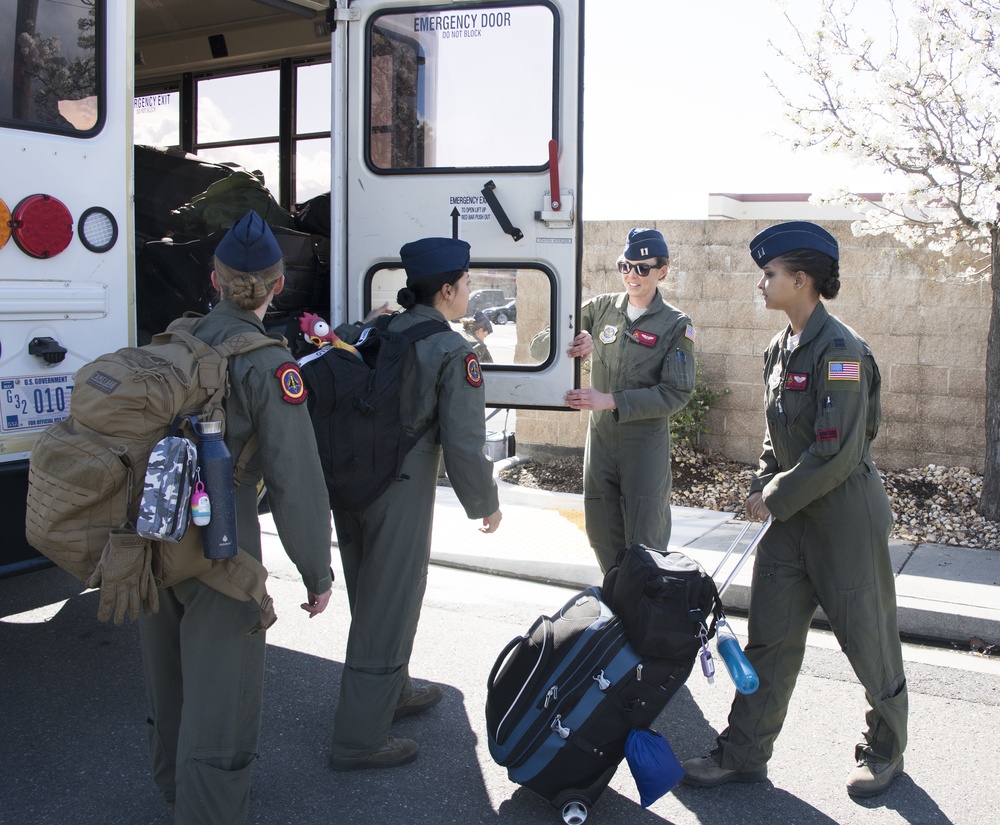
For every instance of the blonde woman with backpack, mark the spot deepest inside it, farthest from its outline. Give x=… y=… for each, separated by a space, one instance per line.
x=203 y=665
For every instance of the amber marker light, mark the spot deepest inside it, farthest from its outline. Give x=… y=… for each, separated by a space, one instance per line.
x=4 y=224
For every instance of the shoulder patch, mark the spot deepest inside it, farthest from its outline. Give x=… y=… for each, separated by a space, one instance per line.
x=473 y=372
x=293 y=388
x=843 y=370
x=689 y=333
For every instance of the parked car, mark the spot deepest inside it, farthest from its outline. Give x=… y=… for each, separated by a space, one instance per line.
x=483 y=298
x=502 y=314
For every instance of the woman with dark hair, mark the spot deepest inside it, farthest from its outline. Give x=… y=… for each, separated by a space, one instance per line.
x=385 y=548
x=828 y=543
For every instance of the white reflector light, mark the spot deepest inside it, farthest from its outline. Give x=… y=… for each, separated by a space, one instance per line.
x=98 y=229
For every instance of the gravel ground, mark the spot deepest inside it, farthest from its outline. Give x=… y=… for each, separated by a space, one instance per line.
x=931 y=504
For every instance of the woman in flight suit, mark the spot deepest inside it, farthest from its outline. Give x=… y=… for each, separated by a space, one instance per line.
x=643 y=372
x=828 y=542
x=202 y=658
x=476 y=329
x=385 y=548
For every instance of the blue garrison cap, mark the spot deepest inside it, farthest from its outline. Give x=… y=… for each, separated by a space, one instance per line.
x=645 y=243
x=482 y=321
x=434 y=256
x=249 y=245
x=784 y=237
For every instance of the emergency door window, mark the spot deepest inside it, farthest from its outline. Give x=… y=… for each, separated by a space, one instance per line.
x=508 y=314
x=50 y=65
x=461 y=88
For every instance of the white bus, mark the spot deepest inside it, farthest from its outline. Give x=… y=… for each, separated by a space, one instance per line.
x=133 y=131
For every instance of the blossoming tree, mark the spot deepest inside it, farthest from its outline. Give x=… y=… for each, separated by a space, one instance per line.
x=924 y=100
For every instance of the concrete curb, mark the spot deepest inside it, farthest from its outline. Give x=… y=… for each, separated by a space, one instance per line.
x=944 y=594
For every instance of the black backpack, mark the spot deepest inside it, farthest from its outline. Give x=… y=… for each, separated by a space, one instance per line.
x=354 y=406
x=667 y=602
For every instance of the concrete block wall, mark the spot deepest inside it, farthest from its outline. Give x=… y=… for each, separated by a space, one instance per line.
x=927 y=328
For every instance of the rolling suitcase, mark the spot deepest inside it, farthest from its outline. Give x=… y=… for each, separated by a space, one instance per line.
x=562 y=698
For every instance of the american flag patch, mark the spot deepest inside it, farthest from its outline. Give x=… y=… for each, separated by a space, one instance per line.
x=843 y=371
x=689 y=332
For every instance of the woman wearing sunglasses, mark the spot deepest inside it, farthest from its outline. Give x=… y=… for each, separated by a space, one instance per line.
x=643 y=372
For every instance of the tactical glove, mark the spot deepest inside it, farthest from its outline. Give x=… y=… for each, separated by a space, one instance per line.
x=125 y=578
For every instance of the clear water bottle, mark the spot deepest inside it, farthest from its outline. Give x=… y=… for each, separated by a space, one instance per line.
x=216 y=465
x=739 y=667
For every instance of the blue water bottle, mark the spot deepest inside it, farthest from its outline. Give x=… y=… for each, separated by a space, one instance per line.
x=216 y=465
x=739 y=667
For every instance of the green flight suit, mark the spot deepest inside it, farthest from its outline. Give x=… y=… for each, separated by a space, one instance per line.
x=649 y=367
x=385 y=548
x=204 y=674
x=481 y=350
x=827 y=544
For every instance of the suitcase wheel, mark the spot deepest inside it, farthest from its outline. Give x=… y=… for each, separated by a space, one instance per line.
x=574 y=812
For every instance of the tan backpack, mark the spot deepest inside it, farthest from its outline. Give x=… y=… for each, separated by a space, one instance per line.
x=86 y=472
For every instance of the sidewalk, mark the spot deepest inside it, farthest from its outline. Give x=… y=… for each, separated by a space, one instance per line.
x=948 y=594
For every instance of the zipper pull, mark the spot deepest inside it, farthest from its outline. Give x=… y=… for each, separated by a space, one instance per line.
x=602 y=683
x=638 y=672
x=552 y=695
x=559 y=728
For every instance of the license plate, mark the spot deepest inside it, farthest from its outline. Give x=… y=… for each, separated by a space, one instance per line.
x=33 y=402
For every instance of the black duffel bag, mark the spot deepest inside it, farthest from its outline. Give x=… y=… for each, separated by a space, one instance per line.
x=666 y=601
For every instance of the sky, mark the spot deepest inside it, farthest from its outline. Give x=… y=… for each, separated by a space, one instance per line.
x=676 y=106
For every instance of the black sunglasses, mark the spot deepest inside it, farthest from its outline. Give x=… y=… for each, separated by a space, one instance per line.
x=624 y=267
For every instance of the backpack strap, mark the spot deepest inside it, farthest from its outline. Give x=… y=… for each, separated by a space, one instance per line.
x=416 y=333
x=424 y=330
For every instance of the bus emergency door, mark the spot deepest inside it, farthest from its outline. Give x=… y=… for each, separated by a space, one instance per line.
x=463 y=120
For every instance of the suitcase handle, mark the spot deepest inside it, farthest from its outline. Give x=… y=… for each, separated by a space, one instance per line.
x=743 y=558
x=513 y=643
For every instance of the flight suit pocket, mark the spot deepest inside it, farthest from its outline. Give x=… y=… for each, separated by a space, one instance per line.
x=828 y=426
x=681 y=369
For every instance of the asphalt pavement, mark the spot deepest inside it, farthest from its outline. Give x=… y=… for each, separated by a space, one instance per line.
x=73 y=716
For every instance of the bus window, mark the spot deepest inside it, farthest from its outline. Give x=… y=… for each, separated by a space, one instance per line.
x=49 y=66
x=517 y=302
x=446 y=88
x=237 y=122
x=312 y=130
x=157 y=119
x=240 y=119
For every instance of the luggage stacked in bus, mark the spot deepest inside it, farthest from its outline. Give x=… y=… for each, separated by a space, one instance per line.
x=183 y=206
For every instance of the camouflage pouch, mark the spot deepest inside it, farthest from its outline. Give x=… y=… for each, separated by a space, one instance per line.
x=166 y=492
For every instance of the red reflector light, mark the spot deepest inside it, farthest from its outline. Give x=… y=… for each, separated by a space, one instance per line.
x=42 y=226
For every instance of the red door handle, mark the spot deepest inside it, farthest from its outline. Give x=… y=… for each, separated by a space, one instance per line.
x=554 y=175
